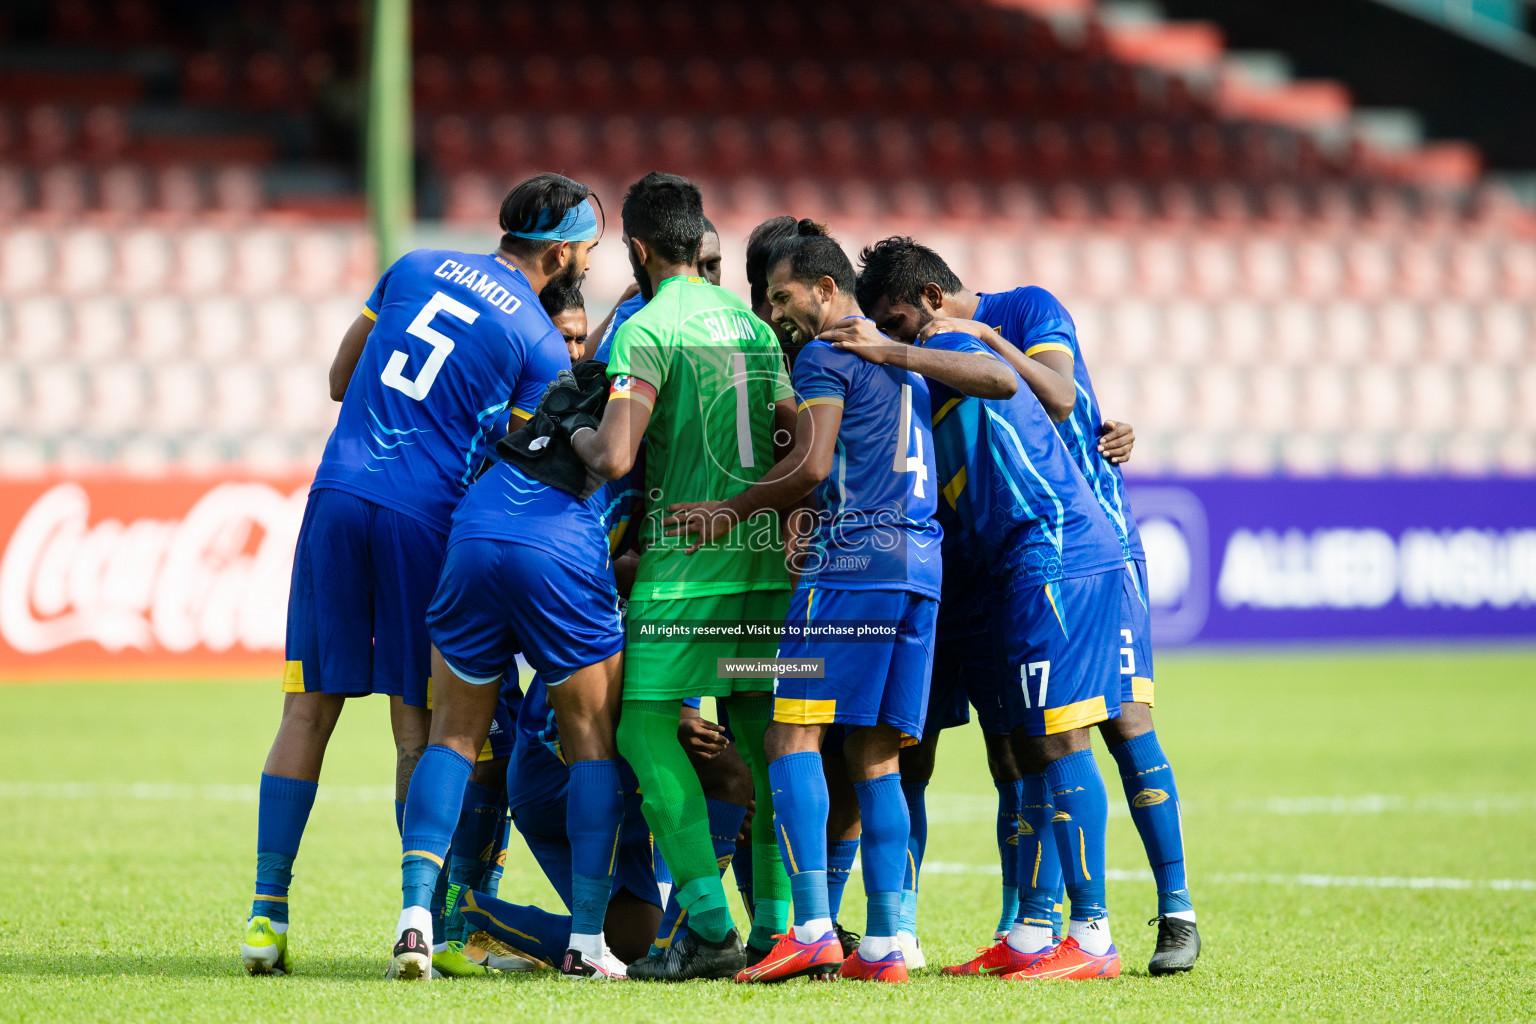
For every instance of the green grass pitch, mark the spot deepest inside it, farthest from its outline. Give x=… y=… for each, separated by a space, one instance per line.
x=1361 y=832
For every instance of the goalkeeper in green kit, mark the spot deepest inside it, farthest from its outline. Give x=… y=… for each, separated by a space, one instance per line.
x=704 y=382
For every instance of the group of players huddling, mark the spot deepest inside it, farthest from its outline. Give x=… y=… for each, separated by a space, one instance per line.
x=903 y=486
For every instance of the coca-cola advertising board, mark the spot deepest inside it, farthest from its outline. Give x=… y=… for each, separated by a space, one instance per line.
x=120 y=578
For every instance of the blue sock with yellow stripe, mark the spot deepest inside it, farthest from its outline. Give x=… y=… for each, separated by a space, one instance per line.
x=917 y=843
x=840 y=855
x=1039 y=867
x=1154 y=800
x=431 y=813
x=594 y=810
x=280 y=819
x=1081 y=821
x=724 y=826
x=884 y=842
x=1009 y=796
x=800 y=817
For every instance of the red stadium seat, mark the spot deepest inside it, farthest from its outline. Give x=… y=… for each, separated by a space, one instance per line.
x=594 y=84
x=205 y=80
x=786 y=146
x=61 y=191
x=452 y=144
x=510 y=149
x=435 y=83
x=677 y=145
x=49 y=134
x=623 y=152
x=731 y=147
x=122 y=191
x=179 y=190
x=104 y=134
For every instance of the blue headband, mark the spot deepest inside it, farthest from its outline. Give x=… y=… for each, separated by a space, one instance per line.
x=578 y=225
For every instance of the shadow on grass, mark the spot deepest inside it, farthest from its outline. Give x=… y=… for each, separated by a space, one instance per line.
x=191 y=967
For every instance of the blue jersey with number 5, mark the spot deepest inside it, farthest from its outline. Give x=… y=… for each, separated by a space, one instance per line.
x=459 y=341
x=876 y=529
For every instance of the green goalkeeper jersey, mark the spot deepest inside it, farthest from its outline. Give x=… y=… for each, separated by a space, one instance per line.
x=717 y=371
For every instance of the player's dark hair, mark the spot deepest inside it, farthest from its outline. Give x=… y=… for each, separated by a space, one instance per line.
x=559 y=296
x=666 y=212
x=524 y=208
x=897 y=269
x=709 y=229
x=761 y=243
x=813 y=257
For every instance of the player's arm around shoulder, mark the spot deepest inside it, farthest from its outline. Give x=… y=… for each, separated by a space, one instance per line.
x=976 y=374
x=1047 y=368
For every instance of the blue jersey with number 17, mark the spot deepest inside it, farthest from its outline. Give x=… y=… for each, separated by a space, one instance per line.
x=459 y=340
x=876 y=528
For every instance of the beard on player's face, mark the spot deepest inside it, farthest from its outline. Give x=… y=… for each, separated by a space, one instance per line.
x=642 y=279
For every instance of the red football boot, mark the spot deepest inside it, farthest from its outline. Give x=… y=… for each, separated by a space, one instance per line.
x=791 y=958
x=1069 y=961
x=996 y=960
x=891 y=967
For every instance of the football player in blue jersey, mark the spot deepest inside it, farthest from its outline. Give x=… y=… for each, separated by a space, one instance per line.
x=449 y=346
x=910 y=291
x=864 y=607
x=567 y=310
x=528 y=570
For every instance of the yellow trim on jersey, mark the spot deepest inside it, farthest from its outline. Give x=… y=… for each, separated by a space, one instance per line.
x=616 y=536
x=370 y=314
x=826 y=400
x=644 y=400
x=526 y=414
x=293 y=677
x=954 y=487
x=1047 y=346
x=428 y=854
x=1078 y=715
x=944 y=410
x=797 y=711
x=1141 y=690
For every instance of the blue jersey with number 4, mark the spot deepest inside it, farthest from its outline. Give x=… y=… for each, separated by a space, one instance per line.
x=1035 y=321
x=1024 y=511
x=459 y=341
x=876 y=528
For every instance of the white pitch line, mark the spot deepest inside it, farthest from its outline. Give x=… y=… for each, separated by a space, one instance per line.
x=1316 y=881
x=180 y=791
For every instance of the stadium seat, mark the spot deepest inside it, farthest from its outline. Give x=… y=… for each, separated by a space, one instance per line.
x=281 y=332
x=117 y=397
x=1346 y=333
x=1272 y=398
x=240 y=397
x=56 y=392
x=86 y=261
x=1486 y=397
x=145 y=261
x=1378 y=398
x=204 y=261
x=40 y=328
x=219 y=325
x=260 y=261
x=160 y=328
x=102 y=328
x=122 y=190
x=1505 y=333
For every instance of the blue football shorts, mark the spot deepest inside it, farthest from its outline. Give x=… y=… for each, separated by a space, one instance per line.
x=496 y=598
x=970 y=670
x=865 y=682
x=1061 y=644
x=1136 y=637
x=363 y=578
x=538 y=786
